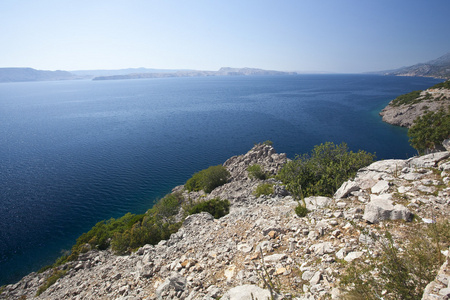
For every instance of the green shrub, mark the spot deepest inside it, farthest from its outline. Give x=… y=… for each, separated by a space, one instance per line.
x=407 y=99
x=208 y=179
x=429 y=130
x=323 y=171
x=263 y=189
x=216 y=207
x=268 y=143
x=301 y=210
x=256 y=172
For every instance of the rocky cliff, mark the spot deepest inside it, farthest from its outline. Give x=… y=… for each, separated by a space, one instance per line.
x=428 y=100
x=438 y=68
x=225 y=258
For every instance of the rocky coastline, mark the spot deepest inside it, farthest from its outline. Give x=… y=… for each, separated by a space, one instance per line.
x=430 y=100
x=224 y=258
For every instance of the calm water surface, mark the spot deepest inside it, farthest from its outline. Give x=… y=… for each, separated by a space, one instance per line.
x=73 y=153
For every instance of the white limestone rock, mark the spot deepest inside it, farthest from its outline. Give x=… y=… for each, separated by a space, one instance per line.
x=246 y=292
x=317 y=202
x=382 y=208
x=346 y=188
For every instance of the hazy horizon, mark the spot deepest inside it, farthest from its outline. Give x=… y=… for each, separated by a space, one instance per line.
x=347 y=36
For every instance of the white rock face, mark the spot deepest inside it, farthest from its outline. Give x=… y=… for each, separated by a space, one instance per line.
x=381 y=208
x=317 y=202
x=246 y=292
x=345 y=189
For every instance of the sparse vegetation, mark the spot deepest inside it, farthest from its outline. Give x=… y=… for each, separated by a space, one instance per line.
x=263 y=189
x=256 y=172
x=57 y=274
x=442 y=85
x=208 y=179
x=402 y=270
x=323 y=171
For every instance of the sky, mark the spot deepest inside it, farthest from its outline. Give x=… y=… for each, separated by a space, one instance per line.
x=339 y=36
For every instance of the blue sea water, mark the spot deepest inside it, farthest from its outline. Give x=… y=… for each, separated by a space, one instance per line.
x=73 y=153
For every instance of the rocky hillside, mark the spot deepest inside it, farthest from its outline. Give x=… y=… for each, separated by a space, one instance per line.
x=403 y=110
x=438 y=68
x=263 y=239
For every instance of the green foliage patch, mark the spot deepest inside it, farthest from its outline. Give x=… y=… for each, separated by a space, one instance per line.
x=208 y=179
x=301 y=210
x=216 y=207
x=263 y=189
x=323 y=171
x=256 y=172
x=407 y=99
x=429 y=130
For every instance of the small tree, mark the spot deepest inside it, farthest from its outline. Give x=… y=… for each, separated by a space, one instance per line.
x=429 y=130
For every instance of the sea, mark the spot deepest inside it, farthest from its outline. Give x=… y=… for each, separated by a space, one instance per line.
x=73 y=153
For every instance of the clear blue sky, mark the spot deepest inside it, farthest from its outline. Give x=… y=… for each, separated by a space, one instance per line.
x=292 y=35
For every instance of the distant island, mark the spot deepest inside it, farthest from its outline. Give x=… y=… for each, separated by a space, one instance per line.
x=192 y=73
x=29 y=74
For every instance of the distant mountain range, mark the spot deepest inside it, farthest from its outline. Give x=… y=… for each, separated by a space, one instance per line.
x=29 y=74
x=192 y=73
x=438 y=68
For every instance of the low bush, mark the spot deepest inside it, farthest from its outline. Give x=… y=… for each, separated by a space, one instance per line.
x=263 y=189
x=256 y=172
x=429 y=130
x=301 y=210
x=208 y=179
x=401 y=271
x=216 y=207
x=323 y=171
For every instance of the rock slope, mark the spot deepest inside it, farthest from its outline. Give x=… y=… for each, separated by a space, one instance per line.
x=404 y=115
x=208 y=258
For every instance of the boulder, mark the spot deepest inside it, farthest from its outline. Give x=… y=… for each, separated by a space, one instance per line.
x=174 y=282
x=380 y=187
x=346 y=188
x=246 y=292
x=382 y=208
x=429 y=160
x=316 y=202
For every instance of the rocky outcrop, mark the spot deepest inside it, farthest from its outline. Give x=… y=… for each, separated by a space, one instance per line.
x=405 y=115
x=229 y=257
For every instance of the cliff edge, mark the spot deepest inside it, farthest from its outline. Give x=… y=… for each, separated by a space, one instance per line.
x=404 y=110
x=262 y=237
